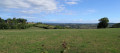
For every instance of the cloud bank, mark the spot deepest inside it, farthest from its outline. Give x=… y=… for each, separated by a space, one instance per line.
x=29 y=6
x=34 y=6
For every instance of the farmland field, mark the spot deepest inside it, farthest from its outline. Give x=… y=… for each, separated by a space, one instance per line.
x=50 y=40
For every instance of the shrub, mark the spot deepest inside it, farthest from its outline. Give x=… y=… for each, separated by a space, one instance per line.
x=116 y=25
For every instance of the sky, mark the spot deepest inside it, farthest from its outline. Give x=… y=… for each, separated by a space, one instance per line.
x=61 y=11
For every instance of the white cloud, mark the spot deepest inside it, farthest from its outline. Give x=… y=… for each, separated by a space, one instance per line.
x=71 y=2
x=29 y=6
x=14 y=4
x=35 y=6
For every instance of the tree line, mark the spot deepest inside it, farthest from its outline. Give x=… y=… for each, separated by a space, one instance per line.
x=20 y=23
x=15 y=23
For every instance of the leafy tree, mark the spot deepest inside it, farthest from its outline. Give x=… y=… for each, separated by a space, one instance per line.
x=13 y=23
x=2 y=23
x=1 y=20
x=103 y=23
x=22 y=21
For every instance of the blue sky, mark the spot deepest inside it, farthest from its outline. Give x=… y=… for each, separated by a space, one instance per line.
x=61 y=11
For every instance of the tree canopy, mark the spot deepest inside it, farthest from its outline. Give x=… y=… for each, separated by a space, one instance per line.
x=13 y=23
x=103 y=23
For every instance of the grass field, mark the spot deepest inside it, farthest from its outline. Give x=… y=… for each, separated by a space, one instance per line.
x=78 y=40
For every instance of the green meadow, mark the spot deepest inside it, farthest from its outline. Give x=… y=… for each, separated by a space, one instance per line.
x=36 y=40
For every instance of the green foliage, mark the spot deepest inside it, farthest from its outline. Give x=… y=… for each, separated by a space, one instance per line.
x=49 y=27
x=59 y=27
x=45 y=26
x=38 y=23
x=103 y=23
x=22 y=26
x=4 y=26
x=74 y=25
x=13 y=23
x=116 y=25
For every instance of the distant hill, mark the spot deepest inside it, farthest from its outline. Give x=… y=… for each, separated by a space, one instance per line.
x=78 y=25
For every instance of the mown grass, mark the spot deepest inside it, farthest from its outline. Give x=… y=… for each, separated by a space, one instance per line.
x=78 y=40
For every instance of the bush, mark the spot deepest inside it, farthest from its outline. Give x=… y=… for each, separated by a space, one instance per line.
x=116 y=25
x=59 y=27
x=23 y=26
x=49 y=27
x=4 y=26
x=14 y=27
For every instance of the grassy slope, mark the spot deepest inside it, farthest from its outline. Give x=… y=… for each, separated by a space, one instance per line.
x=79 y=40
